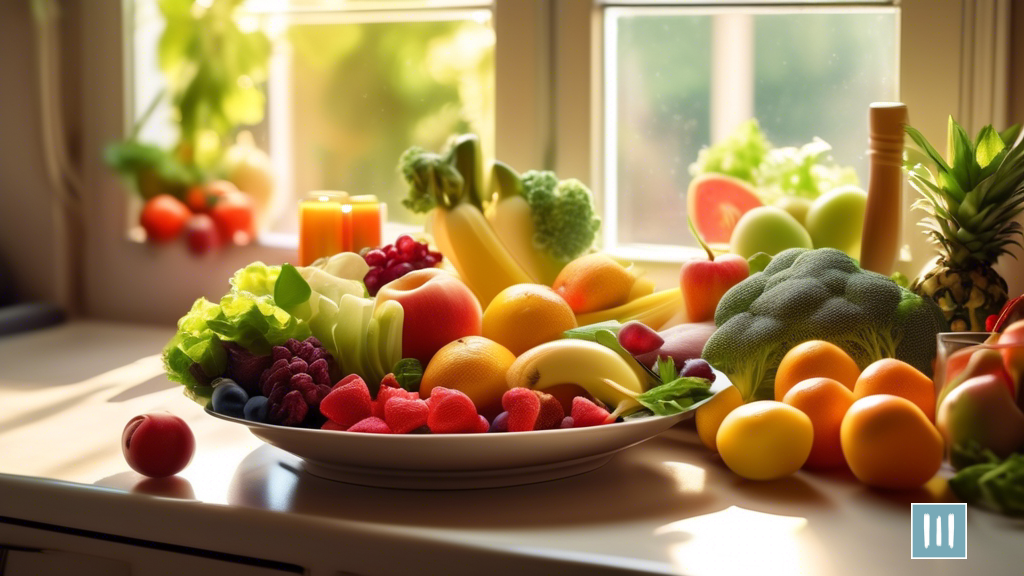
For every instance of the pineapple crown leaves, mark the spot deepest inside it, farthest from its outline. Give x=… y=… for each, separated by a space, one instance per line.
x=973 y=194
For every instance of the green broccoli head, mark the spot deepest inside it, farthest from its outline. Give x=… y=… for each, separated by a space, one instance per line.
x=563 y=214
x=817 y=295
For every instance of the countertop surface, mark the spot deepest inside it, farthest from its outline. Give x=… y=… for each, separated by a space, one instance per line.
x=664 y=506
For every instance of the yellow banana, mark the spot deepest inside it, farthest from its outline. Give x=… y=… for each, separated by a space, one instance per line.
x=642 y=286
x=479 y=256
x=595 y=368
x=653 y=310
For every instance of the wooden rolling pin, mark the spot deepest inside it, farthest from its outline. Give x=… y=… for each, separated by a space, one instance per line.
x=880 y=243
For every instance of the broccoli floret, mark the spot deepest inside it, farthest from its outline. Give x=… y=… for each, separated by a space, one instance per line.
x=817 y=295
x=432 y=179
x=563 y=214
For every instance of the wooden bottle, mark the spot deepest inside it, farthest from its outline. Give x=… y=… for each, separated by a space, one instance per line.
x=880 y=243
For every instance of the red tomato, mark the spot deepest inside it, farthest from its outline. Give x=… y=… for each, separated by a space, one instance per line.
x=163 y=217
x=233 y=216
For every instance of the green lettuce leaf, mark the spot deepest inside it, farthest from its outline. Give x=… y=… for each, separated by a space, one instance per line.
x=256 y=278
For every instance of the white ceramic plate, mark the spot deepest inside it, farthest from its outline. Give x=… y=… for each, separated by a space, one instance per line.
x=456 y=461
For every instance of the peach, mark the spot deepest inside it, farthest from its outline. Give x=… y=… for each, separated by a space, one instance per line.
x=439 y=309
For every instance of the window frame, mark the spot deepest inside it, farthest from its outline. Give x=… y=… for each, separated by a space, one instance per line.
x=930 y=96
x=548 y=80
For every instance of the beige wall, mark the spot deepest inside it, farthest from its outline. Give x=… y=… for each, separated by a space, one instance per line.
x=26 y=219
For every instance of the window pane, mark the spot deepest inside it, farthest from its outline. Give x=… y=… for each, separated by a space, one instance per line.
x=361 y=93
x=350 y=86
x=683 y=77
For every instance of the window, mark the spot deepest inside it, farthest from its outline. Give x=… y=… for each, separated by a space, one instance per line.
x=679 y=78
x=350 y=85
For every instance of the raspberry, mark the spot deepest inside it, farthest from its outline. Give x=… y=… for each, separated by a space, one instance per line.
x=586 y=413
x=403 y=415
x=347 y=405
x=371 y=425
x=551 y=412
x=451 y=412
x=500 y=423
x=523 y=407
x=298 y=380
x=566 y=422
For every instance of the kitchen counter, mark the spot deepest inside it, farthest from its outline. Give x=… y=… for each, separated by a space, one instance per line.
x=667 y=506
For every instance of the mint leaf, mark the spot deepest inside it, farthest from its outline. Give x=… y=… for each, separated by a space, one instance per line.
x=679 y=395
x=291 y=289
x=408 y=372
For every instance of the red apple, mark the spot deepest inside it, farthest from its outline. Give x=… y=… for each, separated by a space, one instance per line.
x=157 y=444
x=439 y=309
x=705 y=281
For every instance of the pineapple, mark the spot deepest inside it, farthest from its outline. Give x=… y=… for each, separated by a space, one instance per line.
x=970 y=199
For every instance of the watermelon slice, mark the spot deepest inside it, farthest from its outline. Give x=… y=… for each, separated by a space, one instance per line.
x=716 y=202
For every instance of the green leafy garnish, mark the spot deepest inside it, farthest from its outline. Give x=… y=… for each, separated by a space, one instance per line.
x=409 y=373
x=291 y=289
x=667 y=369
x=996 y=484
x=679 y=395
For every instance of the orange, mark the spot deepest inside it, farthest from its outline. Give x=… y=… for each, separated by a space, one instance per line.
x=889 y=443
x=710 y=414
x=814 y=359
x=891 y=376
x=594 y=282
x=474 y=365
x=526 y=315
x=825 y=402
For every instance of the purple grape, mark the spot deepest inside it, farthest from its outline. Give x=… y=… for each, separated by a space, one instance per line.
x=637 y=338
x=698 y=368
x=567 y=422
x=375 y=258
x=372 y=281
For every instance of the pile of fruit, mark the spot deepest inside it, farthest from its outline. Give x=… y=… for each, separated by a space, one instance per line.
x=349 y=406
x=758 y=198
x=211 y=215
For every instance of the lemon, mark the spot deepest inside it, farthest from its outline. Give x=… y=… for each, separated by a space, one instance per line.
x=765 y=440
x=710 y=414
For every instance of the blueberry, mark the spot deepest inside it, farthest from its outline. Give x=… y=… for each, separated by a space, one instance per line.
x=229 y=398
x=500 y=423
x=256 y=409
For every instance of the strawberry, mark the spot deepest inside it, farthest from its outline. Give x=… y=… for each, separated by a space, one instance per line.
x=523 y=407
x=586 y=413
x=348 y=404
x=403 y=415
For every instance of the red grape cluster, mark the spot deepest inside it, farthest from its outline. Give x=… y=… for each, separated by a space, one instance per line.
x=393 y=261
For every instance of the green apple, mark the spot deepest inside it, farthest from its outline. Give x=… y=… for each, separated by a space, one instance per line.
x=836 y=219
x=767 y=229
x=796 y=206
